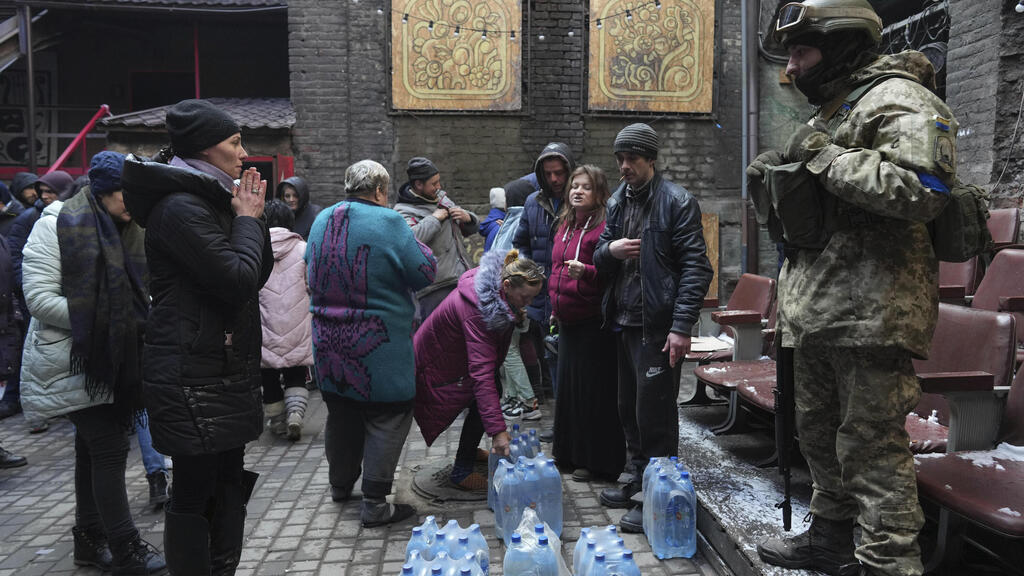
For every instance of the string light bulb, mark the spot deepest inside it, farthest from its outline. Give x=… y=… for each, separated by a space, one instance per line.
x=540 y=37
x=1020 y=7
x=571 y=33
x=484 y=35
x=599 y=24
x=380 y=11
x=430 y=26
x=457 y=30
x=405 y=18
x=512 y=34
x=629 y=16
x=657 y=4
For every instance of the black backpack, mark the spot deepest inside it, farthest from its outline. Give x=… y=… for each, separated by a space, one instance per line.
x=960 y=231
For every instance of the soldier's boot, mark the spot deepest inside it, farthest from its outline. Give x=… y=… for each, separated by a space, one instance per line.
x=295 y=400
x=827 y=546
x=276 y=416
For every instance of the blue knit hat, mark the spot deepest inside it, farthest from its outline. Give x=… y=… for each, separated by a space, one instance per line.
x=105 y=172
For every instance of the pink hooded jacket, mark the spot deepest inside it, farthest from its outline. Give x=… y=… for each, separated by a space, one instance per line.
x=284 y=305
x=459 y=348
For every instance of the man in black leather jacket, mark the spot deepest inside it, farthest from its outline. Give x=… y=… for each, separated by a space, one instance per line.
x=653 y=256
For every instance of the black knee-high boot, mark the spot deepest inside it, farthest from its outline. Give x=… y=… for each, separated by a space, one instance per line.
x=186 y=543
x=227 y=524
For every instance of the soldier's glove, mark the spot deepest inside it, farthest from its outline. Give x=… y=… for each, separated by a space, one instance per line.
x=806 y=143
x=756 y=169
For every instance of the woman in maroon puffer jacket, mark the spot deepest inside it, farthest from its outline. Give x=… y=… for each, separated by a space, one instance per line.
x=459 y=349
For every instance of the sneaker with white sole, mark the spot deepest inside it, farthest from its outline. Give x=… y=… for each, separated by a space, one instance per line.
x=513 y=413
x=531 y=413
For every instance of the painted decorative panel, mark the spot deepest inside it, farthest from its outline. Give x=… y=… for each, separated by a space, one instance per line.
x=652 y=56
x=456 y=55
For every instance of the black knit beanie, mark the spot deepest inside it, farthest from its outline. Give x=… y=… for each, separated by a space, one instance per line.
x=420 y=168
x=195 y=125
x=639 y=139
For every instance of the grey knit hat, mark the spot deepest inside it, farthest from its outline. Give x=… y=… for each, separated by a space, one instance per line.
x=639 y=139
x=420 y=168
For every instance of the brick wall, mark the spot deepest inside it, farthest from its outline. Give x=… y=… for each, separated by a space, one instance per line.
x=338 y=86
x=971 y=83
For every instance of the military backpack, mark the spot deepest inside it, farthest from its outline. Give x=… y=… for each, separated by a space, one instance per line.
x=960 y=231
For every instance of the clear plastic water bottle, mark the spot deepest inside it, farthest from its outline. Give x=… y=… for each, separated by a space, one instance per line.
x=511 y=505
x=684 y=525
x=534 y=442
x=583 y=561
x=580 y=549
x=627 y=566
x=439 y=545
x=517 y=560
x=530 y=490
x=418 y=541
x=599 y=567
x=551 y=496
x=661 y=488
x=545 y=558
x=430 y=528
x=478 y=547
x=492 y=468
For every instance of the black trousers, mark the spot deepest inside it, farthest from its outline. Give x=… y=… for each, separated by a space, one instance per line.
x=469 y=439
x=101 y=453
x=293 y=377
x=648 y=389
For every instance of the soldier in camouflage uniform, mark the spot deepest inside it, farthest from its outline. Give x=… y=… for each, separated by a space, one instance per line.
x=858 y=293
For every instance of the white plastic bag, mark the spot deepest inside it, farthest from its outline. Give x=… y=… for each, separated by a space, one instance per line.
x=527 y=529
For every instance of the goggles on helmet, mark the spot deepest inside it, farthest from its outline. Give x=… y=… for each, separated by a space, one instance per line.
x=795 y=16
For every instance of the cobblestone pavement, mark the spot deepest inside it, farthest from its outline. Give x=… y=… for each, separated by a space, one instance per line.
x=292 y=528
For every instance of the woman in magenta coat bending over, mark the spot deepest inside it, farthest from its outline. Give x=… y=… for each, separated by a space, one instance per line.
x=458 y=351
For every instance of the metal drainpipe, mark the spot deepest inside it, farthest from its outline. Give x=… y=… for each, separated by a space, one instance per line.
x=25 y=45
x=749 y=229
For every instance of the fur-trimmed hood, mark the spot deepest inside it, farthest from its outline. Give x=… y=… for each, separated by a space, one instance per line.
x=486 y=286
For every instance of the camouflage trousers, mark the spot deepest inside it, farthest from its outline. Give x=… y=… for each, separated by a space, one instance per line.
x=851 y=407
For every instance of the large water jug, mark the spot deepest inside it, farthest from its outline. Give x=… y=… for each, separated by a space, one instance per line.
x=545 y=558
x=551 y=496
x=499 y=506
x=580 y=549
x=518 y=559
x=418 y=541
x=598 y=567
x=530 y=489
x=626 y=566
x=478 y=546
x=673 y=524
x=430 y=528
x=509 y=499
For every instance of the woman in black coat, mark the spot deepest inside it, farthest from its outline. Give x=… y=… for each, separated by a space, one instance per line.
x=209 y=253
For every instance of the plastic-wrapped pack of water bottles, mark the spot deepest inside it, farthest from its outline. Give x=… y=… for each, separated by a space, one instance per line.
x=601 y=552
x=530 y=554
x=528 y=481
x=670 y=509
x=448 y=551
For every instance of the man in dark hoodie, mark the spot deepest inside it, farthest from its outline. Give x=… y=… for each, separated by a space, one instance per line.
x=534 y=238
x=441 y=224
x=9 y=209
x=294 y=192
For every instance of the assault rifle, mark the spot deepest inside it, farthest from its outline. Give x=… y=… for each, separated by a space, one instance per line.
x=785 y=424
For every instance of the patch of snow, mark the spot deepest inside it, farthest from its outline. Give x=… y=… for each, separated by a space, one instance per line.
x=935 y=455
x=981 y=459
x=751 y=389
x=714 y=370
x=948 y=487
x=1009 y=512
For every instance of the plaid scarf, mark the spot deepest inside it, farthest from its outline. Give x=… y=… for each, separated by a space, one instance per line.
x=103 y=277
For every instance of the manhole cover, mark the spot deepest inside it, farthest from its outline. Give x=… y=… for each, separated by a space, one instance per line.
x=431 y=482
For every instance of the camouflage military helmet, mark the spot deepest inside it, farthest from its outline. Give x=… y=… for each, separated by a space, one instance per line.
x=824 y=17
